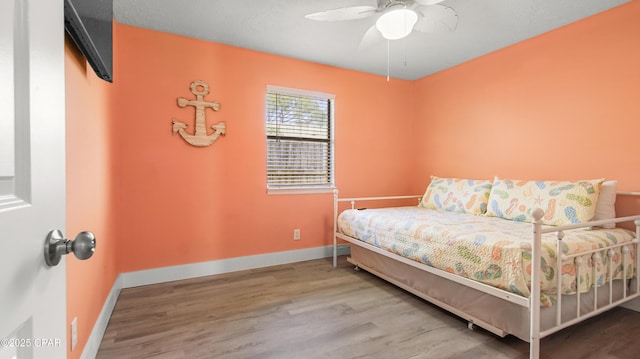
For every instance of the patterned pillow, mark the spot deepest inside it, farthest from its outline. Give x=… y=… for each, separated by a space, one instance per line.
x=456 y=194
x=563 y=202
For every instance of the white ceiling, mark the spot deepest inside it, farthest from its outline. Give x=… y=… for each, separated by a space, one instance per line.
x=279 y=27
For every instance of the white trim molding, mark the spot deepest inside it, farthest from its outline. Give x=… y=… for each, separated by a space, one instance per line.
x=95 y=338
x=201 y=269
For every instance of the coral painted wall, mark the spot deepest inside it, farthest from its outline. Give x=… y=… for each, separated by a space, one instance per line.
x=563 y=105
x=88 y=193
x=178 y=204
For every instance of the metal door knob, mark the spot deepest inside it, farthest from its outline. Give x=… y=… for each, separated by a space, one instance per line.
x=55 y=246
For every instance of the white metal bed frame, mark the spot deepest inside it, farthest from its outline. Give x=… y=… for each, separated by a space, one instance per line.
x=534 y=310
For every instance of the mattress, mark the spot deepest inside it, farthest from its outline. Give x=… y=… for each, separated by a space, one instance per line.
x=490 y=250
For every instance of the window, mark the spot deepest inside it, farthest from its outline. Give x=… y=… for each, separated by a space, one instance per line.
x=299 y=140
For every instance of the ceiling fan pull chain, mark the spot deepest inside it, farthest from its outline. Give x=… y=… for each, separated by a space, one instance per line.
x=388 y=42
x=404 y=43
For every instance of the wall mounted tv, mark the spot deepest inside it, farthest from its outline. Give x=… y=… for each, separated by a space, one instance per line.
x=90 y=24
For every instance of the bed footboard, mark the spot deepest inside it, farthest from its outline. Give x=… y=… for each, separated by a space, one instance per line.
x=578 y=258
x=337 y=200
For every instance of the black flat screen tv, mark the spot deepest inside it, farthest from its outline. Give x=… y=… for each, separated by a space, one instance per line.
x=90 y=24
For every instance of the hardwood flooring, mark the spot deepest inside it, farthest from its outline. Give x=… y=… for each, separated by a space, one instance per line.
x=312 y=310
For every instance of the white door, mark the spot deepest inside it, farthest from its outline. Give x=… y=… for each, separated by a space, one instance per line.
x=32 y=175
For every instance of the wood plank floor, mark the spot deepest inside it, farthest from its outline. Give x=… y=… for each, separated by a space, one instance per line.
x=312 y=310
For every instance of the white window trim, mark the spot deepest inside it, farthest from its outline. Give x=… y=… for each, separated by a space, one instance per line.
x=298 y=92
x=312 y=189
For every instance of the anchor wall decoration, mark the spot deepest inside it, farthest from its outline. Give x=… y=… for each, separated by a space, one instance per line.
x=200 y=138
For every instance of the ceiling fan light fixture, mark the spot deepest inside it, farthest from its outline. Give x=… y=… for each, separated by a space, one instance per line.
x=429 y=2
x=396 y=23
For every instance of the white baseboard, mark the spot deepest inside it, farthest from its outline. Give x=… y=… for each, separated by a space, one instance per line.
x=193 y=270
x=95 y=338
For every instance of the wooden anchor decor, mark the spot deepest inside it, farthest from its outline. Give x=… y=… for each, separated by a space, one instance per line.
x=200 y=138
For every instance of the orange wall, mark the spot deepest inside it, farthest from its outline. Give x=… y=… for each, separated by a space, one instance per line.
x=178 y=204
x=562 y=105
x=88 y=193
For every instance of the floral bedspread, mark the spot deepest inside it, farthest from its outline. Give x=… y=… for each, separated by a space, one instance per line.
x=490 y=250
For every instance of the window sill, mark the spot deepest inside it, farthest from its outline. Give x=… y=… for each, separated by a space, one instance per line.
x=300 y=190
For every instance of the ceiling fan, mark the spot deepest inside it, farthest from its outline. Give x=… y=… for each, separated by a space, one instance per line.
x=396 y=18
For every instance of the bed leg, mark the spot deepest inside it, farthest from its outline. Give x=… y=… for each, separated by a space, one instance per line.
x=471 y=326
x=534 y=297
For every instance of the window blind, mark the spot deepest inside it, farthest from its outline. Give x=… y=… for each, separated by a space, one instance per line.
x=299 y=140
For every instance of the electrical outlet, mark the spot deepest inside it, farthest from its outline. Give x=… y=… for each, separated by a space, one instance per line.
x=296 y=234
x=74 y=333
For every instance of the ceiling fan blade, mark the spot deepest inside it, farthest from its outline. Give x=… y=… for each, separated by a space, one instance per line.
x=371 y=37
x=428 y=2
x=436 y=18
x=344 y=13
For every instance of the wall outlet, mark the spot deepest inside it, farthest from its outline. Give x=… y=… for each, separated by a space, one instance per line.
x=74 y=333
x=296 y=234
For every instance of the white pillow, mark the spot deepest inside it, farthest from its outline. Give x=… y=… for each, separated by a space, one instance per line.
x=605 y=208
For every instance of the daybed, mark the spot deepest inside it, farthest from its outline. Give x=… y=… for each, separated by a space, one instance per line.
x=474 y=248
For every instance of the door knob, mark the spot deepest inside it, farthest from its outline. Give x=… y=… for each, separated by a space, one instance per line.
x=55 y=246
